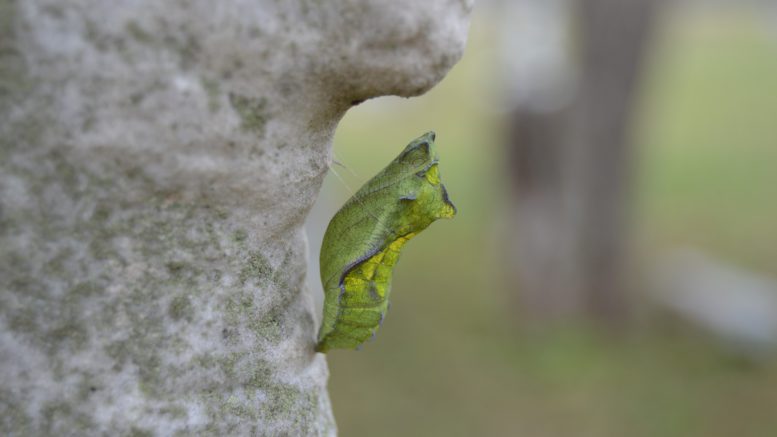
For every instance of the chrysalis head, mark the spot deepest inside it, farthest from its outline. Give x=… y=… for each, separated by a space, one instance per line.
x=429 y=199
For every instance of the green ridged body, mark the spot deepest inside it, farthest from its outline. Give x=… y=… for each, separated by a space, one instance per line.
x=362 y=242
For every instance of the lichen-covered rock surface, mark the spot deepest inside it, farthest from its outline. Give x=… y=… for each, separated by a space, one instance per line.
x=157 y=160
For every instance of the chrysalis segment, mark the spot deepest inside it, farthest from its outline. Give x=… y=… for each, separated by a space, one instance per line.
x=363 y=241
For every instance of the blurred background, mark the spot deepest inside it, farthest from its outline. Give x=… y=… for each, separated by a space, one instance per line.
x=611 y=270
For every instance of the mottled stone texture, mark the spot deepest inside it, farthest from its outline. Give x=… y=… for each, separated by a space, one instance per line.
x=157 y=159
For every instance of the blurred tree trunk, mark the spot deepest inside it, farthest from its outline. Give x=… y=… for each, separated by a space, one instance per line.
x=572 y=171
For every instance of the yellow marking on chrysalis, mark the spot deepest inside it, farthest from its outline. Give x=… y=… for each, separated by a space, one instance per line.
x=433 y=175
x=375 y=270
x=447 y=211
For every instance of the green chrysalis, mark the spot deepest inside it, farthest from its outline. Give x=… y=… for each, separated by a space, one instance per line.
x=363 y=241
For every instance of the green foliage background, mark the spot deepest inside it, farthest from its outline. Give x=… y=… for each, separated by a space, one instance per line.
x=450 y=359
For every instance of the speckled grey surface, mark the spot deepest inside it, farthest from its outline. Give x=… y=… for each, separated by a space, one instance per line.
x=157 y=160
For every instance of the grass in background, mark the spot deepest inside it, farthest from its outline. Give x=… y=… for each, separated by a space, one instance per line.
x=449 y=361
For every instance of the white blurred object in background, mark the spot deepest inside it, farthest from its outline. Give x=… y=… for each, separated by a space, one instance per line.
x=737 y=305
